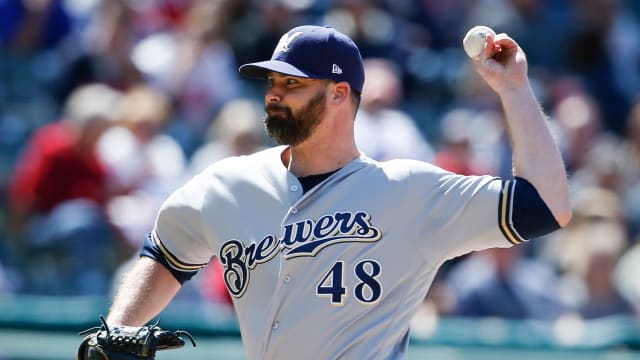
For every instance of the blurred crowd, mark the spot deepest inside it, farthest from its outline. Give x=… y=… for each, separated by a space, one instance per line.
x=106 y=106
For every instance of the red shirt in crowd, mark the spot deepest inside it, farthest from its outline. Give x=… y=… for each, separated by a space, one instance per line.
x=54 y=169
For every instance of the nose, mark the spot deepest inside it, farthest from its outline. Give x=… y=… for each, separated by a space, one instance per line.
x=273 y=95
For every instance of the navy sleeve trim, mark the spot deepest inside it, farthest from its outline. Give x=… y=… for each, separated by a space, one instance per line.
x=505 y=218
x=523 y=214
x=154 y=249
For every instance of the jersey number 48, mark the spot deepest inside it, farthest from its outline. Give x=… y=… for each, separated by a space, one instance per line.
x=367 y=290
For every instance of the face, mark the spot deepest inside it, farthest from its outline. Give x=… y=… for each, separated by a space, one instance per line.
x=289 y=126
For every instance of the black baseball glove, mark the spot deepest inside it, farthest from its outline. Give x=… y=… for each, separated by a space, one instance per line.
x=128 y=342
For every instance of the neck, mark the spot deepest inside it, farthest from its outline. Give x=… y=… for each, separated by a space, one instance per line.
x=328 y=149
x=303 y=161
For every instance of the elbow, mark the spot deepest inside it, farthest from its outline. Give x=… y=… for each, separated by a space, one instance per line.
x=565 y=213
x=564 y=218
x=559 y=203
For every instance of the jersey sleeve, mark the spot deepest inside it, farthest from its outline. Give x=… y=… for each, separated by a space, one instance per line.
x=178 y=240
x=455 y=214
x=472 y=213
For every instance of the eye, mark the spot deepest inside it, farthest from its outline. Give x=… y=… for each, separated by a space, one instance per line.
x=292 y=81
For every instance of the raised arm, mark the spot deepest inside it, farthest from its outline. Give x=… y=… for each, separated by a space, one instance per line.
x=144 y=292
x=536 y=156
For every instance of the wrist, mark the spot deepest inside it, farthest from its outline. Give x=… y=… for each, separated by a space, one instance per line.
x=516 y=92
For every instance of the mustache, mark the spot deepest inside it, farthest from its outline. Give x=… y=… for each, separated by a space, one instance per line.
x=275 y=107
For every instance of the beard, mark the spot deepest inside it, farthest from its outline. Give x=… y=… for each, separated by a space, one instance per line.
x=289 y=129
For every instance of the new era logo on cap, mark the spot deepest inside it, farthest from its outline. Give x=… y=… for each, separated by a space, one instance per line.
x=311 y=51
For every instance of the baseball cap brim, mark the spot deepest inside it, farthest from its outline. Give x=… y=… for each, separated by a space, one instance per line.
x=259 y=70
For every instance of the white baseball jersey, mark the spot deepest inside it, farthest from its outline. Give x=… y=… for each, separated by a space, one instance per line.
x=339 y=271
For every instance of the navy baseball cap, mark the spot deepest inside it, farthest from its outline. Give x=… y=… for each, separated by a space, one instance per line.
x=317 y=52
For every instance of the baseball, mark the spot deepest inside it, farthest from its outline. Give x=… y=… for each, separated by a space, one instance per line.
x=474 y=41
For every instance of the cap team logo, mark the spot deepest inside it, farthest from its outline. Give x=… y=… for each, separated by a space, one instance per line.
x=302 y=238
x=285 y=41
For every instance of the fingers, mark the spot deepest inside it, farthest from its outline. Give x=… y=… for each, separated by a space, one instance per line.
x=501 y=48
x=491 y=66
x=503 y=64
x=503 y=40
x=487 y=62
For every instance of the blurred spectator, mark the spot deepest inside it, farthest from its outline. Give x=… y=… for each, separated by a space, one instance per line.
x=159 y=15
x=370 y=25
x=602 y=49
x=463 y=137
x=104 y=52
x=603 y=298
x=601 y=167
x=626 y=275
x=57 y=197
x=148 y=163
x=32 y=34
x=538 y=25
x=592 y=206
x=60 y=162
x=504 y=283
x=628 y=160
x=474 y=116
x=5 y=285
x=138 y=151
x=439 y=18
x=236 y=130
x=195 y=65
x=30 y=25
x=382 y=130
x=259 y=25
x=142 y=160
x=586 y=253
x=630 y=150
x=580 y=121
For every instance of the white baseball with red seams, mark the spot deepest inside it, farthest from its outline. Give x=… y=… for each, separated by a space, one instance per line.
x=475 y=40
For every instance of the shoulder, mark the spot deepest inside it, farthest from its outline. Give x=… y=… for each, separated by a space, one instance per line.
x=410 y=167
x=404 y=172
x=421 y=176
x=246 y=165
x=221 y=184
x=226 y=175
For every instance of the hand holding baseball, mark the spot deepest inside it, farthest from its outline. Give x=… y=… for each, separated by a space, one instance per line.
x=499 y=59
x=476 y=40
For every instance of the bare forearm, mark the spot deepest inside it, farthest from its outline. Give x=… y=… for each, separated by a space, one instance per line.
x=146 y=290
x=536 y=156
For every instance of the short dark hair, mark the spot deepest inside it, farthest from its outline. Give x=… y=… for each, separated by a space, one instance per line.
x=354 y=95
x=356 y=98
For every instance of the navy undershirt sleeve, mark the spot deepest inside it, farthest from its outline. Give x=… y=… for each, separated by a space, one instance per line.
x=151 y=250
x=531 y=215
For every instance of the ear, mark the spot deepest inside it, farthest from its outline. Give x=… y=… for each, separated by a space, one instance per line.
x=340 y=92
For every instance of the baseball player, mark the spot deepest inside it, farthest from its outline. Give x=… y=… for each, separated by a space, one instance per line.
x=326 y=252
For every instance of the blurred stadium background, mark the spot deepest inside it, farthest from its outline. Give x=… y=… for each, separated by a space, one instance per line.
x=106 y=106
